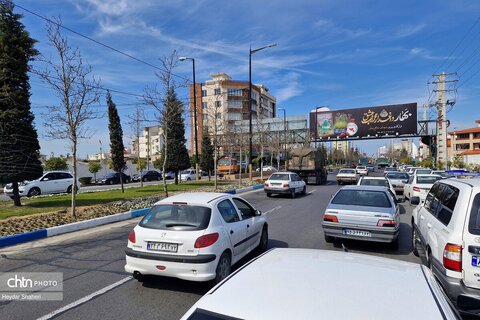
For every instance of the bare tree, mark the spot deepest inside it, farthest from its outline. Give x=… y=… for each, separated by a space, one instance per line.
x=77 y=89
x=136 y=126
x=157 y=98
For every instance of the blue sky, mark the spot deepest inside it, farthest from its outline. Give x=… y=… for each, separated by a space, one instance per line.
x=342 y=54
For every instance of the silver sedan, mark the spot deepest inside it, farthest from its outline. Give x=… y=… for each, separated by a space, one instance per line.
x=367 y=213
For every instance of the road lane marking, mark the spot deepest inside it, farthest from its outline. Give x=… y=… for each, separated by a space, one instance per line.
x=85 y=299
x=271 y=210
x=312 y=191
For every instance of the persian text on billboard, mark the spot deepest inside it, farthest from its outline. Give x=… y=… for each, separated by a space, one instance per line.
x=362 y=122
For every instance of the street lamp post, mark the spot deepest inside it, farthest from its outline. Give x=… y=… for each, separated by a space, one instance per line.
x=250 y=146
x=194 y=114
x=285 y=134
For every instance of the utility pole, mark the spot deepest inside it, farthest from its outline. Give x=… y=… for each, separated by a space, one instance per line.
x=148 y=148
x=442 y=117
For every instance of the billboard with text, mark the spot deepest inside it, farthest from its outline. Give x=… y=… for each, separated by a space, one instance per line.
x=398 y=119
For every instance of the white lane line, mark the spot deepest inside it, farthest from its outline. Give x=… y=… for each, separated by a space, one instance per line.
x=312 y=191
x=271 y=210
x=85 y=299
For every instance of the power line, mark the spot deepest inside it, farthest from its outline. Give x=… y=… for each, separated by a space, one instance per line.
x=457 y=46
x=98 y=42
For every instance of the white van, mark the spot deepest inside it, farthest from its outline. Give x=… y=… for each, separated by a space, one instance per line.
x=447 y=226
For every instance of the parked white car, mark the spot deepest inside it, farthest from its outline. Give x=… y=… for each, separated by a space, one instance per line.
x=284 y=183
x=195 y=236
x=51 y=182
x=447 y=227
x=419 y=185
x=188 y=175
x=309 y=284
x=347 y=176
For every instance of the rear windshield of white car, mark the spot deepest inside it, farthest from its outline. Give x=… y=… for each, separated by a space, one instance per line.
x=397 y=176
x=390 y=169
x=177 y=217
x=279 y=176
x=374 y=182
x=423 y=171
x=361 y=168
x=428 y=180
x=474 y=223
x=365 y=198
x=347 y=171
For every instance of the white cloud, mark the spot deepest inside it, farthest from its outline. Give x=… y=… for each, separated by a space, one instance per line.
x=328 y=27
x=292 y=87
x=407 y=31
x=425 y=54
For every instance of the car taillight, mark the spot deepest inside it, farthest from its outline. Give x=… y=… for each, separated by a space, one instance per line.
x=131 y=236
x=330 y=218
x=206 y=240
x=286 y=185
x=386 y=223
x=452 y=257
x=416 y=189
x=265 y=184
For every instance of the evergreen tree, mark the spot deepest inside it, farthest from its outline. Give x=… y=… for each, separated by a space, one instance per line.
x=174 y=127
x=19 y=146
x=116 y=138
x=206 y=157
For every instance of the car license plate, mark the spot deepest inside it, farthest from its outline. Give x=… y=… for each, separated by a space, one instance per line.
x=162 y=246
x=476 y=261
x=358 y=233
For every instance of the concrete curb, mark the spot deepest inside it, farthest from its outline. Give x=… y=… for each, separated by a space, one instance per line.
x=81 y=225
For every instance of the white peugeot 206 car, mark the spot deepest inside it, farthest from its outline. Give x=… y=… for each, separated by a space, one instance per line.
x=195 y=236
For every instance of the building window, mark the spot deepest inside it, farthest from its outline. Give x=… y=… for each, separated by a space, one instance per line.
x=218 y=104
x=254 y=96
x=204 y=105
x=217 y=92
x=463 y=136
x=234 y=116
x=234 y=104
x=205 y=117
x=204 y=93
x=218 y=115
x=235 y=92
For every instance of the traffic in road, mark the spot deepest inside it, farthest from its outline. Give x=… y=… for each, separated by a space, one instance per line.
x=97 y=286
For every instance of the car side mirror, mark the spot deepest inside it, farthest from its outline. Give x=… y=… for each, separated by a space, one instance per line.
x=468 y=303
x=415 y=200
x=45 y=179
x=258 y=213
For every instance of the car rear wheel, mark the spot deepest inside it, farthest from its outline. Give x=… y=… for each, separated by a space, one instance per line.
x=69 y=190
x=263 y=245
x=304 y=191
x=414 y=241
x=145 y=179
x=34 y=192
x=329 y=239
x=110 y=182
x=269 y=195
x=223 y=268
x=292 y=193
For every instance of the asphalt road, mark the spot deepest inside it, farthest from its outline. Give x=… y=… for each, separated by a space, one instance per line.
x=94 y=259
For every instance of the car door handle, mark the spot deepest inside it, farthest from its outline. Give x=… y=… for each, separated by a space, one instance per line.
x=429 y=226
x=231 y=231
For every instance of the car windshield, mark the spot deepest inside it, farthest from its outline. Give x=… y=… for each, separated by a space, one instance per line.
x=390 y=169
x=177 y=217
x=366 y=198
x=423 y=171
x=428 y=179
x=397 y=176
x=347 y=171
x=110 y=175
x=279 y=176
x=186 y=172
x=374 y=182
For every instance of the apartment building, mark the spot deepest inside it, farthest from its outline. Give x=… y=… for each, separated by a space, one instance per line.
x=466 y=143
x=150 y=143
x=222 y=101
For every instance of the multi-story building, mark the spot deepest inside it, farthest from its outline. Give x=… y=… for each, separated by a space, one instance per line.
x=222 y=101
x=150 y=143
x=466 y=143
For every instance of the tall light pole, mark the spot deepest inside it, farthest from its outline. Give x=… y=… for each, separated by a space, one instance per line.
x=194 y=114
x=250 y=147
x=285 y=133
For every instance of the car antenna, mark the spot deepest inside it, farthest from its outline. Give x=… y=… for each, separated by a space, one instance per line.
x=344 y=248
